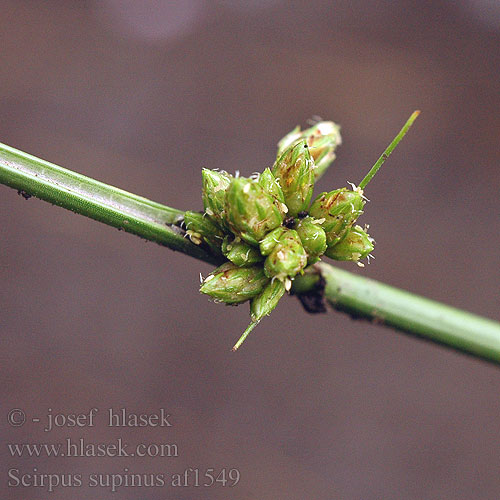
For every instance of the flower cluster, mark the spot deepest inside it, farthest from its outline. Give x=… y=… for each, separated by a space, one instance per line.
x=267 y=227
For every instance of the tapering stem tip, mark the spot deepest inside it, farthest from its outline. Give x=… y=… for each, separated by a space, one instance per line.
x=369 y=176
x=250 y=327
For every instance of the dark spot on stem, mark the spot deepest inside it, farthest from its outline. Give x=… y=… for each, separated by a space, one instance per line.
x=313 y=301
x=177 y=229
x=24 y=194
x=377 y=318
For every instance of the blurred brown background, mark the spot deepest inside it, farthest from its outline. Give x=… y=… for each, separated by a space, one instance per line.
x=142 y=95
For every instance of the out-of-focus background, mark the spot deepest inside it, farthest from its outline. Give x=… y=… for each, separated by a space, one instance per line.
x=142 y=95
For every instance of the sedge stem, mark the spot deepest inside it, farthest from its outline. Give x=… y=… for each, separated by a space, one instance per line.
x=353 y=294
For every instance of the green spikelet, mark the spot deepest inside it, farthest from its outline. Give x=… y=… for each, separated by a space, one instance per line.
x=269 y=241
x=233 y=284
x=272 y=187
x=287 y=258
x=322 y=139
x=215 y=184
x=269 y=230
x=294 y=171
x=251 y=211
x=267 y=300
x=202 y=229
x=339 y=210
x=354 y=246
x=240 y=253
x=313 y=238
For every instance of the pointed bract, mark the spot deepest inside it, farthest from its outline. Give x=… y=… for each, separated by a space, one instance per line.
x=261 y=306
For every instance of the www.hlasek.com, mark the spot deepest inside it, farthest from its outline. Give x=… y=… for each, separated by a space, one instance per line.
x=190 y=477
x=82 y=448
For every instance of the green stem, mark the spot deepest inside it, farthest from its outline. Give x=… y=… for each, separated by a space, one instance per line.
x=358 y=296
x=382 y=304
x=110 y=205
x=369 y=176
